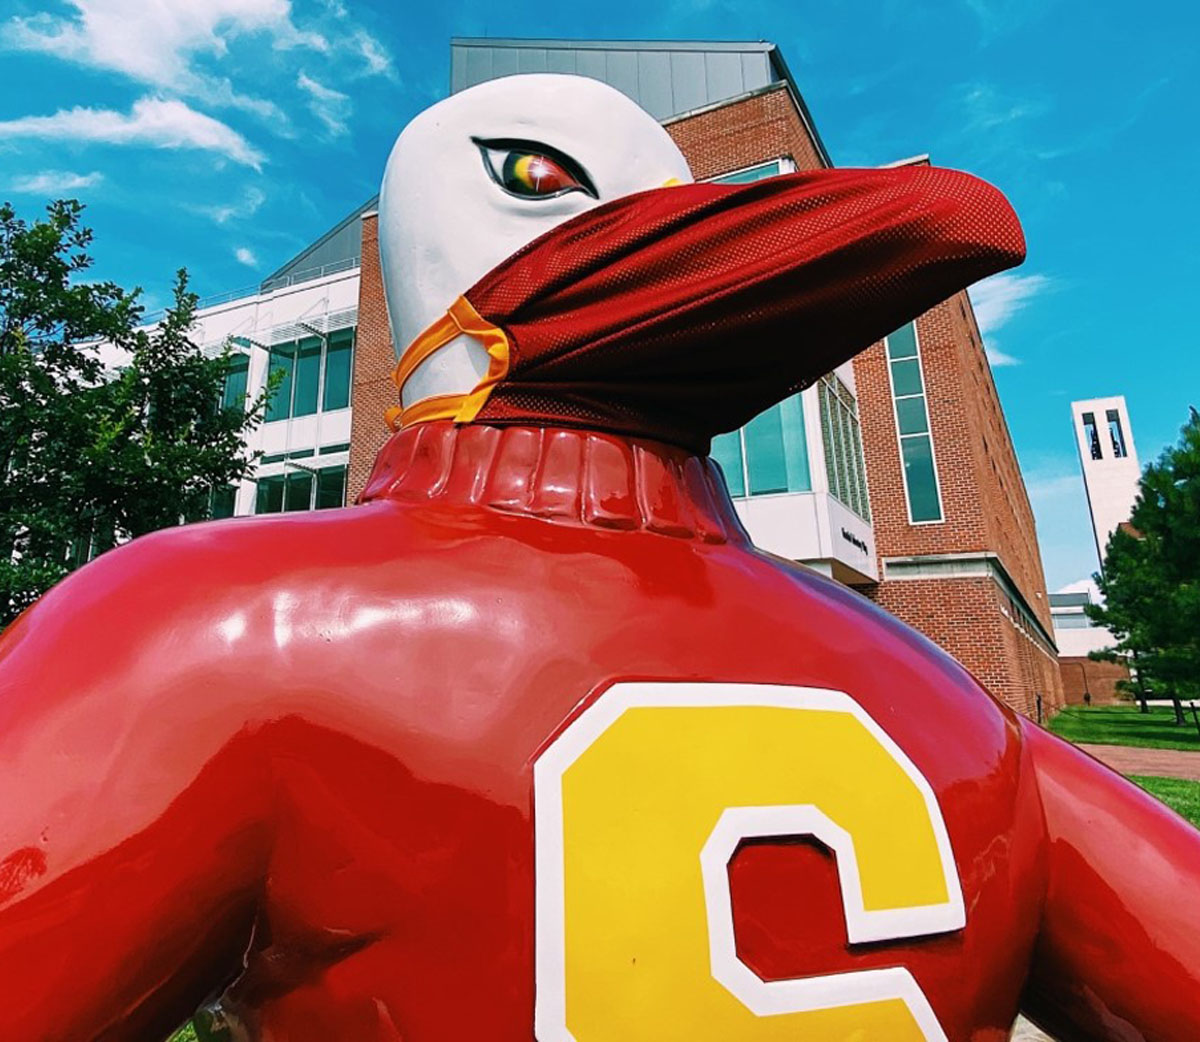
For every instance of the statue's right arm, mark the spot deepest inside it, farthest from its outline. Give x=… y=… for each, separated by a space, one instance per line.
x=1118 y=955
x=132 y=806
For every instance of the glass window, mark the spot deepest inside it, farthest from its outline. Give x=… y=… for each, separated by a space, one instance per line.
x=771 y=450
x=766 y=464
x=269 y=497
x=223 y=500
x=337 y=369
x=307 y=366
x=1091 y=434
x=299 y=491
x=1115 y=433
x=912 y=425
x=910 y=412
x=331 y=487
x=795 y=443
x=727 y=451
x=921 y=478
x=863 y=507
x=283 y=360
x=755 y=173
x=903 y=343
x=234 y=396
x=845 y=468
x=906 y=377
x=308 y=377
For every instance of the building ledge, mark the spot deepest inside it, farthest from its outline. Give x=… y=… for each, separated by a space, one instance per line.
x=981 y=564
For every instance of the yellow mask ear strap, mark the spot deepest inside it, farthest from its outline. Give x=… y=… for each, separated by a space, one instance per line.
x=460 y=318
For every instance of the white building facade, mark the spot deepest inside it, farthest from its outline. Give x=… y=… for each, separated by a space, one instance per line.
x=302 y=327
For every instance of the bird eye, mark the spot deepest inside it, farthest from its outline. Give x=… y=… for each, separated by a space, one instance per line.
x=531 y=170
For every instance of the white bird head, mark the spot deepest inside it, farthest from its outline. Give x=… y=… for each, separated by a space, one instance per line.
x=475 y=177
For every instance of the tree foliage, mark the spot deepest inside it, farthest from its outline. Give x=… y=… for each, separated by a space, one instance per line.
x=1151 y=576
x=108 y=429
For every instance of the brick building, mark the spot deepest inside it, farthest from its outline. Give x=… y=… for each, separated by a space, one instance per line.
x=954 y=531
x=895 y=475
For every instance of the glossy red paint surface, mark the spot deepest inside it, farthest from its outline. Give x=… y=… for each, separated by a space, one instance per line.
x=287 y=760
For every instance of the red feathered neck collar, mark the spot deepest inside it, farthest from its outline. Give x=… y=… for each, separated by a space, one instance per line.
x=569 y=476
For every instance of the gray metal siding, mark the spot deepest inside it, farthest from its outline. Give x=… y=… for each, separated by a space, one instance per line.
x=338 y=248
x=621 y=71
x=666 y=79
x=689 y=84
x=723 y=75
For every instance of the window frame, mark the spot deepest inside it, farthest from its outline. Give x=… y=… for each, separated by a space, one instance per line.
x=293 y=371
x=928 y=433
x=744 y=456
x=841 y=442
x=313 y=465
x=1116 y=433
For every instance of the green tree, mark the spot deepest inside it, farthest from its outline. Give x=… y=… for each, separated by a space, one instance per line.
x=108 y=430
x=1151 y=576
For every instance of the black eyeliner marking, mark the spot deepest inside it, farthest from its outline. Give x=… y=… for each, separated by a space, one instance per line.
x=511 y=144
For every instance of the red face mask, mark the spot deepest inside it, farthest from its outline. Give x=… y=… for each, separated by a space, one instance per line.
x=681 y=313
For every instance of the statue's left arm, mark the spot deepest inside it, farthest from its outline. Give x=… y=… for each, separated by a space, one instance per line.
x=1118 y=955
x=132 y=836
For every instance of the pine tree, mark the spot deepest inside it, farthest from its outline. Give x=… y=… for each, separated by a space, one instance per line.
x=1151 y=576
x=108 y=430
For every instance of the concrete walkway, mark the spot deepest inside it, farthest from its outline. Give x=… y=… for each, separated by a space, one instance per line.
x=1163 y=763
x=1023 y=1031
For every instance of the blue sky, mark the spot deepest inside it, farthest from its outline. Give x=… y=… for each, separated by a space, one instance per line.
x=224 y=135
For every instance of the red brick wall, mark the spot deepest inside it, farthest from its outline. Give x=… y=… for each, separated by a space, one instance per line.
x=1080 y=674
x=968 y=619
x=984 y=504
x=372 y=390
x=758 y=128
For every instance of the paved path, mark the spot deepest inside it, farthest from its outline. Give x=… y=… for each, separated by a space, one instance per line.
x=1165 y=763
x=1023 y=1031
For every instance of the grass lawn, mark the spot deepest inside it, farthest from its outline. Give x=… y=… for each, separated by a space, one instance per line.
x=1181 y=796
x=1124 y=725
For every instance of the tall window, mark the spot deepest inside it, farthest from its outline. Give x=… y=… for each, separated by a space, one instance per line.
x=308 y=489
x=844 y=466
x=1092 y=435
x=769 y=454
x=234 y=394
x=912 y=425
x=313 y=370
x=222 y=501
x=1116 y=434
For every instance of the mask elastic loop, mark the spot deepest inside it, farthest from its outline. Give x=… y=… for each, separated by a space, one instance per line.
x=460 y=318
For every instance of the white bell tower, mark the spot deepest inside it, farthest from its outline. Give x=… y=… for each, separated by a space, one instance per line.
x=1110 y=464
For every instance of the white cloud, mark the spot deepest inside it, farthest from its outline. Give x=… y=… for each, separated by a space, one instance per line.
x=155 y=122
x=374 y=54
x=996 y=300
x=330 y=106
x=988 y=109
x=246 y=256
x=155 y=42
x=247 y=206
x=997 y=358
x=54 y=182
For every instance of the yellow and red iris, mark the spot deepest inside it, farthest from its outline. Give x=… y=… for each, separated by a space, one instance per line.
x=528 y=173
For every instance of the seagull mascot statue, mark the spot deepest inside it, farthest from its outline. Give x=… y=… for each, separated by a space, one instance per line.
x=532 y=743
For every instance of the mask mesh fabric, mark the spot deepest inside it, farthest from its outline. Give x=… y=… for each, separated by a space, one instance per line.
x=681 y=313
